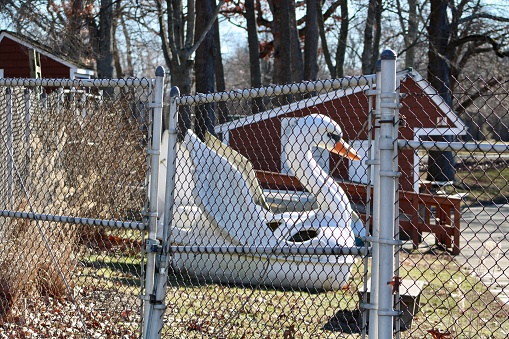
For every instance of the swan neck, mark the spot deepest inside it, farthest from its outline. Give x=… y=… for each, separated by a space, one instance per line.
x=329 y=196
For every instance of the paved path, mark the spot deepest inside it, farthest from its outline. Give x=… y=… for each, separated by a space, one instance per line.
x=485 y=246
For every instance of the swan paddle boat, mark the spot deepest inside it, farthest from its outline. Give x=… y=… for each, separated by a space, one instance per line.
x=218 y=202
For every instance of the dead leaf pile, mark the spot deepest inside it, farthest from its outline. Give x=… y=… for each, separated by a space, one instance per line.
x=53 y=318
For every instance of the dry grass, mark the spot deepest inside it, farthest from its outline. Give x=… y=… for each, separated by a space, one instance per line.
x=82 y=160
x=36 y=259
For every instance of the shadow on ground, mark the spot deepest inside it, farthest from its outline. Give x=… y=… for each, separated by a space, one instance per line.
x=345 y=321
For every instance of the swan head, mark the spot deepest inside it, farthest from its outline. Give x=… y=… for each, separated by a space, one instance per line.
x=321 y=131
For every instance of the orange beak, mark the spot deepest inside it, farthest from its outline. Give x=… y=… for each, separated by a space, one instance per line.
x=343 y=149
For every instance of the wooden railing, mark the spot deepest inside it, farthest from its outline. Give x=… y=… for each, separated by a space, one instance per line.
x=419 y=212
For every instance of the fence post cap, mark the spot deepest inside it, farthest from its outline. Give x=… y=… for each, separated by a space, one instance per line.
x=159 y=71
x=175 y=91
x=388 y=54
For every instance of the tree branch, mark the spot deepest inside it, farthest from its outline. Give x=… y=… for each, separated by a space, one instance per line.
x=166 y=44
x=206 y=30
x=472 y=97
x=480 y=38
x=191 y=25
x=260 y=20
x=483 y=16
x=325 y=47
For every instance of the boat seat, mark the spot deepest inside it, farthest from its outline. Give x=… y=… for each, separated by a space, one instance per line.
x=242 y=164
x=218 y=180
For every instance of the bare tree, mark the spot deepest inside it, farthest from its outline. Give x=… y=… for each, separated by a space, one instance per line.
x=311 y=41
x=280 y=30
x=222 y=109
x=81 y=29
x=453 y=40
x=341 y=48
x=342 y=40
x=295 y=44
x=410 y=29
x=179 y=44
x=205 y=66
x=372 y=35
x=254 y=53
x=103 y=39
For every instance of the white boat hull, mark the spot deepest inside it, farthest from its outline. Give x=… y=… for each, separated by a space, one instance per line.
x=287 y=272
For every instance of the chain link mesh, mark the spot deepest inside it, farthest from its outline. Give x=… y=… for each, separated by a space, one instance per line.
x=448 y=275
x=71 y=158
x=270 y=225
x=457 y=234
x=240 y=203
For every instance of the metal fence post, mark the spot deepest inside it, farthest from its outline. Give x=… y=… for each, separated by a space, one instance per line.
x=375 y=162
x=61 y=99
x=387 y=189
x=10 y=150
x=152 y=243
x=164 y=258
x=28 y=118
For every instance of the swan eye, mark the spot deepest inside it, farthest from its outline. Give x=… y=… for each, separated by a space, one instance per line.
x=334 y=137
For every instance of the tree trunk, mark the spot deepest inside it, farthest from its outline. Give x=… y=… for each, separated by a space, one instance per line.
x=440 y=164
x=378 y=35
x=438 y=66
x=116 y=56
x=129 y=52
x=204 y=68
x=411 y=37
x=311 y=41
x=372 y=36
x=325 y=47
x=367 y=52
x=281 y=33
x=343 y=36
x=178 y=41
x=182 y=78
x=297 y=63
x=75 y=26
x=254 y=54
x=220 y=82
x=105 y=40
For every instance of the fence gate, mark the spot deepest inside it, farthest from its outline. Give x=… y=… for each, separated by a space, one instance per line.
x=74 y=168
x=262 y=241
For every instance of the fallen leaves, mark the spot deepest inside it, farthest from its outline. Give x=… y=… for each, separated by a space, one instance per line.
x=53 y=318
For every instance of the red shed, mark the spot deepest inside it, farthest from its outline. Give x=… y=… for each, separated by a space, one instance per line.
x=259 y=137
x=17 y=53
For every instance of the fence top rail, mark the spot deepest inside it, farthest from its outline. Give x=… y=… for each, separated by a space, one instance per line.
x=483 y=147
x=31 y=82
x=303 y=87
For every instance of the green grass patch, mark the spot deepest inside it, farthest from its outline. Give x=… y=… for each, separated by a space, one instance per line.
x=452 y=301
x=484 y=186
x=110 y=270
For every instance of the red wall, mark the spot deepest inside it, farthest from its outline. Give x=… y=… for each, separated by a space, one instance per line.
x=15 y=62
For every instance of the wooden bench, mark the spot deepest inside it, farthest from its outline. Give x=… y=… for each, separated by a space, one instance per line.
x=419 y=212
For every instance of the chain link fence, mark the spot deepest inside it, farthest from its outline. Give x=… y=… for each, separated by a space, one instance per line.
x=272 y=218
x=458 y=251
x=73 y=161
x=265 y=244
